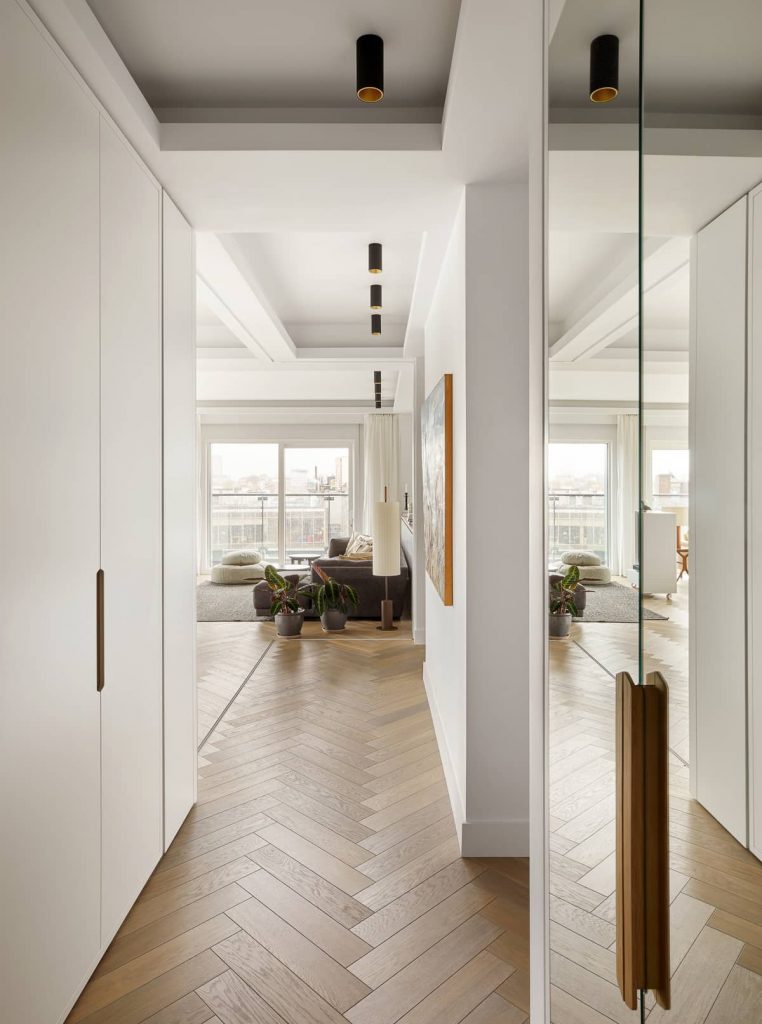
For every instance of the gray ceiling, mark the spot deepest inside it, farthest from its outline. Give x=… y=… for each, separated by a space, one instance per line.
x=279 y=53
x=701 y=56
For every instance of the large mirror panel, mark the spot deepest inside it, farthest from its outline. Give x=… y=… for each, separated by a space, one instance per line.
x=593 y=481
x=701 y=391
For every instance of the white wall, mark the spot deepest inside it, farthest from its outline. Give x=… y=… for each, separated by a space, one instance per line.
x=477 y=654
x=445 y=667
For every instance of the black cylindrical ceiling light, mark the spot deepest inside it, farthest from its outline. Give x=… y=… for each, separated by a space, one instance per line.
x=377 y=387
x=375 y=296
x=370 y=68
x=604 y=69
x=375 y=323
x=375 y=258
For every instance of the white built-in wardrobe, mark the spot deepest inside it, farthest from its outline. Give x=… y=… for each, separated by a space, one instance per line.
x=726 y=519
x=97 y=475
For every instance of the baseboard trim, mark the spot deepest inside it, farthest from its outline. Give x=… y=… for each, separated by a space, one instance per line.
x=453 y=791
x=495 y=839
x=419 y=637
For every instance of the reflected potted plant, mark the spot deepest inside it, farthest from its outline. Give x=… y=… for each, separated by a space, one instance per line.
x=333 y=601
x=561 y=603
x=285 y=606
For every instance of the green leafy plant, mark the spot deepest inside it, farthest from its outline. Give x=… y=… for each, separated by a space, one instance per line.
x=561 y=593
x=330 y=593
x=285 y=592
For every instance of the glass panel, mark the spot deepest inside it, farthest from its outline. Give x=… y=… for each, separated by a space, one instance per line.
x=317 y=500
x=593 y=480
x=701 y=169
x=243 y=499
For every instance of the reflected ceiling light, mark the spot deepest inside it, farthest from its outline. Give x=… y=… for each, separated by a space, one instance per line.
x=375 y=323
x=604 y=69
x=375 y=258
x=370 y=68
x=375 y=296
x=377 y=387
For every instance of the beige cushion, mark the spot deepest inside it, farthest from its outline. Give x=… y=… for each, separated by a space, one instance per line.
x=359 y=544
x=592 y=573
x=580 y=558
x=238 y=573
x=242 y=558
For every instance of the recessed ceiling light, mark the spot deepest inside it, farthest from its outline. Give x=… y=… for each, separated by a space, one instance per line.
x=604 y=69
x=375 y=296
x=375 y=323
x=370 y=68
x=375 y=258
x=377 y=387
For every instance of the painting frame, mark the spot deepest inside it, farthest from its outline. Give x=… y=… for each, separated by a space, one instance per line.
x=437 y=490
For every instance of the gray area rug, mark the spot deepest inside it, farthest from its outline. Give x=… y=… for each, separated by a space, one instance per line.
x=614 y=603
x=216 y=603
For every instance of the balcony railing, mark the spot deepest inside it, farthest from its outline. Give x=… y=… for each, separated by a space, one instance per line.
x=577 y=520
x=309 y=520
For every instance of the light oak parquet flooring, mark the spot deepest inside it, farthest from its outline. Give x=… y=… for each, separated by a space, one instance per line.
x=318 y=880
x=716 y=885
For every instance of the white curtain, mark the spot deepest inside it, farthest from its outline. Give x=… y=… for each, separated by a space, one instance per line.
x=381 y=463
x=627 y=455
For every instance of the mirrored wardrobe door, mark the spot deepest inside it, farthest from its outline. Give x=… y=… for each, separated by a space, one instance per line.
x=701 y=472
x=593 y=482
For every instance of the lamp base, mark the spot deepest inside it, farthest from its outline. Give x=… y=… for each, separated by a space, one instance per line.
x=387 y=617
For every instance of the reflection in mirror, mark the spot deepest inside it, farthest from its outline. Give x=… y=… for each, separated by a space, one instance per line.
x=701 y=472
x=593 y=479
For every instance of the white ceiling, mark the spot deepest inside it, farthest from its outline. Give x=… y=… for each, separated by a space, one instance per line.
x=279 y=53
x=318 y=283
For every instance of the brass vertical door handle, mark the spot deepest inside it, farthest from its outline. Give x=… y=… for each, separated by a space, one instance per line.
x=99 y=641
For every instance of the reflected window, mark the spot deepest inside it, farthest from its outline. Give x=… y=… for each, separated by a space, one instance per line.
x=578 y=498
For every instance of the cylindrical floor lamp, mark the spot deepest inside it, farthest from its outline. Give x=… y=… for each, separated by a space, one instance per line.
x=386 y=552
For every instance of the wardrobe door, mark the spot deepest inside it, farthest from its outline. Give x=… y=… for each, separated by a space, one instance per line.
x=754 y=519
x=49 y=707
x=131 y=526
x=718 y=527
x=179 y=519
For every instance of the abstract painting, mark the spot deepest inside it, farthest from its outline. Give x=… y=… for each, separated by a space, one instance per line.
x=436 y=456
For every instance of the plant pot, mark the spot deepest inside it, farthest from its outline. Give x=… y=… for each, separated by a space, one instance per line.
x=559 y=625
x=289 y=623
x=333 y=620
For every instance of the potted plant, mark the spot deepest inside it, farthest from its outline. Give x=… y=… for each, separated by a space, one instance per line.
x=333 y=600
x=285 y=606
x=561 y=604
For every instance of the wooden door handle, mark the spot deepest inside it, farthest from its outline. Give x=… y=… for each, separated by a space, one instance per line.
x=99 y=631
x=642 y=839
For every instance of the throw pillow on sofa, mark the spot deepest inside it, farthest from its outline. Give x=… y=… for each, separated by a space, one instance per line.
x=580 y=558
x=242 y=558
x=360 y=544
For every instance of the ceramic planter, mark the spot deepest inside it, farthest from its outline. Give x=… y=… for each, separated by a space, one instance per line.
x=289 y=624
x=333 y=620
x=559 y=625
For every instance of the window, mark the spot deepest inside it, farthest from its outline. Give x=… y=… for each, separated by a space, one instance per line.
x=578 y=498
x=285 y=501
x=316 y=499
x=670 y=473
x=244 y=499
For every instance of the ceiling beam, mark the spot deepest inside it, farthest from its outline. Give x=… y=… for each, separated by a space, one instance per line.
x=611 y=310
x=231 y=136
x=235 y=296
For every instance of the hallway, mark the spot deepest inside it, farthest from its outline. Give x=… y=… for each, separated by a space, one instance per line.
x=317 y=879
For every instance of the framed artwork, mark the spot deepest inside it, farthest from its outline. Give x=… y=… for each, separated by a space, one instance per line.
x=436 y=457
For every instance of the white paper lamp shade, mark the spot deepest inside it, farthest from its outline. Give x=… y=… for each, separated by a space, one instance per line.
x=386 y=538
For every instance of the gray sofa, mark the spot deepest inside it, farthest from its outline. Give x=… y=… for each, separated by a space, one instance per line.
x=370 y=588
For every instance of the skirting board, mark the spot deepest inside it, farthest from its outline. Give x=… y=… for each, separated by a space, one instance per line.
x=476 y=838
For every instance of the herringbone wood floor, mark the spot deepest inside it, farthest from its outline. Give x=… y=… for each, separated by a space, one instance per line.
x=716 y=911
x=318 y=879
